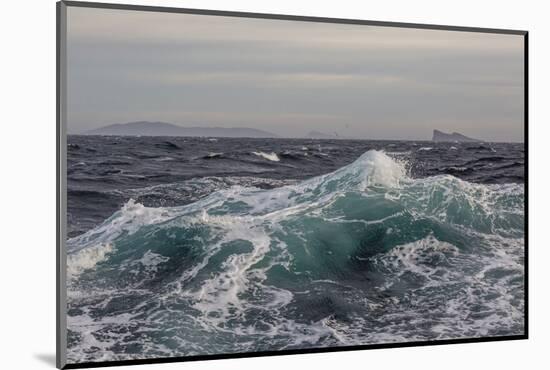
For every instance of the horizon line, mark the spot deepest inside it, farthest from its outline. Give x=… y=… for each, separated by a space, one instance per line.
x=277 y=136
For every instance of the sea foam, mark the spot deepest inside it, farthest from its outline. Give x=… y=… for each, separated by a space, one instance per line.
x=269 y=156
x=343 y=258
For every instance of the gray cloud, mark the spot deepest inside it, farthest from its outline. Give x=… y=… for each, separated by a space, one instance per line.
x=291 y=77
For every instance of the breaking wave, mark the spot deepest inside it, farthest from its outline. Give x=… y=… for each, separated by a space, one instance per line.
x=362 y=255
x=269 y=156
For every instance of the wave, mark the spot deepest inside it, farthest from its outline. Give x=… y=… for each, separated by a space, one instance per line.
x=168 y=145
x=269 y=156
x=481 y=148
x=114 y=162
x=455 y=169
x=487 y=159
x=163 y=159
x=213 y=155
x=86 y=258
x=189 y=190
x=287 y=154
x=365 y=254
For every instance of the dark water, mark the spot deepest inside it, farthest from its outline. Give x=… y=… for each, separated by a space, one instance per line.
x=186 y=246
x=105 y=172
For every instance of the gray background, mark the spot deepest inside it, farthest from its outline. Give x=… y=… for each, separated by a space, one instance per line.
x=291 y=77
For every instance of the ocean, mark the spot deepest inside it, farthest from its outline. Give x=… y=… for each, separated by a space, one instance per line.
x=184 y=246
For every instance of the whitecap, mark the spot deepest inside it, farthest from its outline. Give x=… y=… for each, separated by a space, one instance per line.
x=87 y=258
x=269 y=156
x=163 y=159
x=214 y=155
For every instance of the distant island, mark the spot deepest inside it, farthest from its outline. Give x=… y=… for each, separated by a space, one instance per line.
x=454 y=137
x=146 y=128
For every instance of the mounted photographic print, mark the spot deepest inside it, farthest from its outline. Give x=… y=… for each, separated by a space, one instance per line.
x=237 y=184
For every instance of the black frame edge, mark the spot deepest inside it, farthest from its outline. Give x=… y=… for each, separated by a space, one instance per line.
x=526 y=181
x=61 y=134
x=151 y=361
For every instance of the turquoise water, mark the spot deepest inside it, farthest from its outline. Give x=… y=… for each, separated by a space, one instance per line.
x=365 y=254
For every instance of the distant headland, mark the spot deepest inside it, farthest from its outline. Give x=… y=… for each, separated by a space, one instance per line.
x=146 y=128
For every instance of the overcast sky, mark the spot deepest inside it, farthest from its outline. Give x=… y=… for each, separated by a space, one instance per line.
x=291 y=77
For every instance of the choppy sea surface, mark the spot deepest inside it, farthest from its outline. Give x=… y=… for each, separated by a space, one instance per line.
x=193 y=246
